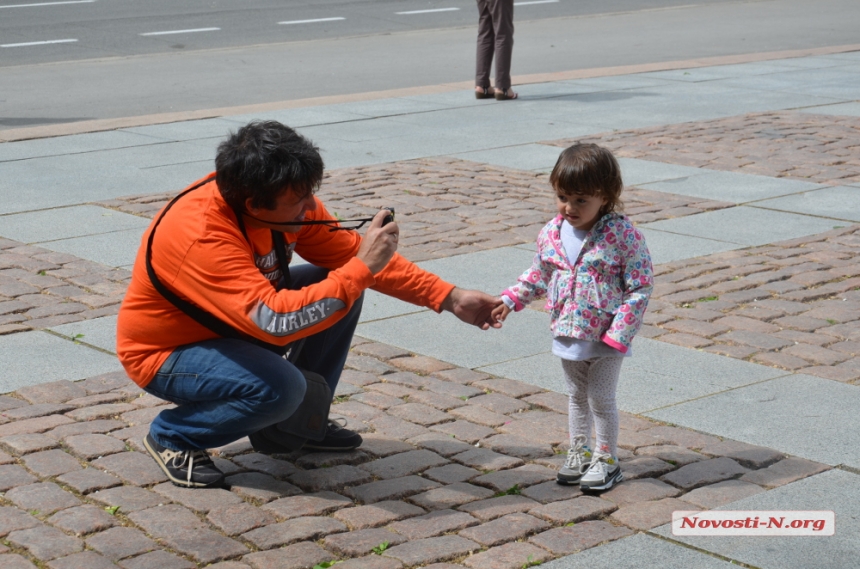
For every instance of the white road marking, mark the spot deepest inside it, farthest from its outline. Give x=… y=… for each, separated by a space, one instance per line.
x=35 y=43
x=49 y=4
x=311 y=21
x=427 y=11
x=181 y=32
x=536 y=2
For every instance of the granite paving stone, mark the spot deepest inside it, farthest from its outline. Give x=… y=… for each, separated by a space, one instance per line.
x=393 y=489
x=672 y=454
x=527 y=449
x=43 y=497
x=584 y=535
x=511 y=527
x=361 y=542
x=83 y=560
x=508 y=556
x=575 y=510
x=378 y=514
x=235 y=519
x=431 y=550
x=450 y=473
x=45 y=543
x=551 y=491
x=292 y=531
x=27 y=443
x=721 y=493
x=450 y=496
x=403 y=464
x=380 y=446
x=12 y=475
x=13 y=519
x=120 y=542
x=486 y=459
x=639 y=490
x=420 y=414
x=317 y=504
x=129 y=498
x=197 y=499
x=522 y=476
x=98 y=426
x=441 y=444
x=749 y=456
x=644 y=467
x=51 y=463
x=647 y=515
x=266 y=464
x=93 y=446
x=156 y=560
x=333 y=478
x=83 y=520
x=783 y=472
x=260 y=487
x=132 y=467
x=432 y=524
x=295 y=556
x=704 y=472
x=371 y=562
x=37 y=425
x=181 y=530
x=14 y=561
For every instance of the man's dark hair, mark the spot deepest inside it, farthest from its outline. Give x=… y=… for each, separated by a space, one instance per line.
x=262 y=160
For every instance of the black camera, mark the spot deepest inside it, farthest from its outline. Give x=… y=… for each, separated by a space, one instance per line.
x=388 y=218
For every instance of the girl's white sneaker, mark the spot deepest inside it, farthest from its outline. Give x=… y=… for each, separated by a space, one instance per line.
x=578 y=461
x=602 y=474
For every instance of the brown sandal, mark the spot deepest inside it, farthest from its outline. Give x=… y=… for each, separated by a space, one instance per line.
x=484 y=93
x=502 y=95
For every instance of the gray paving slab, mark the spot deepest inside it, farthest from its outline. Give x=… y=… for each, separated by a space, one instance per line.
x=695 y=75
x=620 y=82
x=305 y=116
x=798 y=414
x=73 y=144
x=631 y=553
x=444 y=337
x=666 y=246
x=188 y=130
x=835 y=490
x=636 y=172
x=98 y=332
x=839 y=202
x=32 y=358
x=729 y=186
x=833 y=82
x=542 y=370
x=521 y=157
x=744 y=225
x=387 y=107
x=360 y=130
x=66 y=222
x=454 y=99
x=553 y=89
x=811 y=62
x=379 y=306
x=490 y=271
x=115 y=249
x=851 y=109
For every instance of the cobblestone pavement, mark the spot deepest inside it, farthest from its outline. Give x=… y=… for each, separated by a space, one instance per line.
x=816 y=148
x=456 y=467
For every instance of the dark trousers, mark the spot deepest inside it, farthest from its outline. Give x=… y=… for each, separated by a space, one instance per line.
x=225 y=389
x=495 y=38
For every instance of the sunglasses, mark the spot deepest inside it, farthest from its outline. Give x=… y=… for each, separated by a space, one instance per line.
x=334 y=224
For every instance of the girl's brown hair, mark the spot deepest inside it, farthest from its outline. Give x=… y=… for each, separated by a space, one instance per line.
x=591 y=170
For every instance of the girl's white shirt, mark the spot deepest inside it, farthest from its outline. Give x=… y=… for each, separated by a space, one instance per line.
x=571 y=348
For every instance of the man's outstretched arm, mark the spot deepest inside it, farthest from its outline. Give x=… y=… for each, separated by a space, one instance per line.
x=473 y=307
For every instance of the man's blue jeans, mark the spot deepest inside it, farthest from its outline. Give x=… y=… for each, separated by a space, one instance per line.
x=226 y=389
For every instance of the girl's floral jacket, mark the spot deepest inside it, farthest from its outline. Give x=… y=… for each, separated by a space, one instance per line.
x=602 y=298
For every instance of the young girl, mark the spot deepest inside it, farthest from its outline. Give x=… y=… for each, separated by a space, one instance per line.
x=596 y=270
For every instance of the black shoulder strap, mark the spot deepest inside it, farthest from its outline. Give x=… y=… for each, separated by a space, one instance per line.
x=202 y=317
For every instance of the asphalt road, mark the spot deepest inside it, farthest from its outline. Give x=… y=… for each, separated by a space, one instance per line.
x=39 y=31
x=113 y=71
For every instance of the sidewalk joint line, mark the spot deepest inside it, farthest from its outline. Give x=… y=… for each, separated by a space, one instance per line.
x=674 y=541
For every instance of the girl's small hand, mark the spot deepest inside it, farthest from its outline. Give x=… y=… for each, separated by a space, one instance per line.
x=500 y=313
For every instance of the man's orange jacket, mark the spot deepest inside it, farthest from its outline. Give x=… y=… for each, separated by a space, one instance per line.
x=200 y=253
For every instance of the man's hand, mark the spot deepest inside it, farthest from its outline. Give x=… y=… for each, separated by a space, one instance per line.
x=473 y=307
x=379 y=243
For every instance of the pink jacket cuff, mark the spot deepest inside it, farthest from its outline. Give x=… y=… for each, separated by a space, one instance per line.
x=612 y=343
x=517 y=304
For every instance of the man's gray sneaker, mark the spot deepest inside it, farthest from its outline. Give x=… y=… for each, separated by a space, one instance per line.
x=186 y=468
x=578 y=461
x=603 y=474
